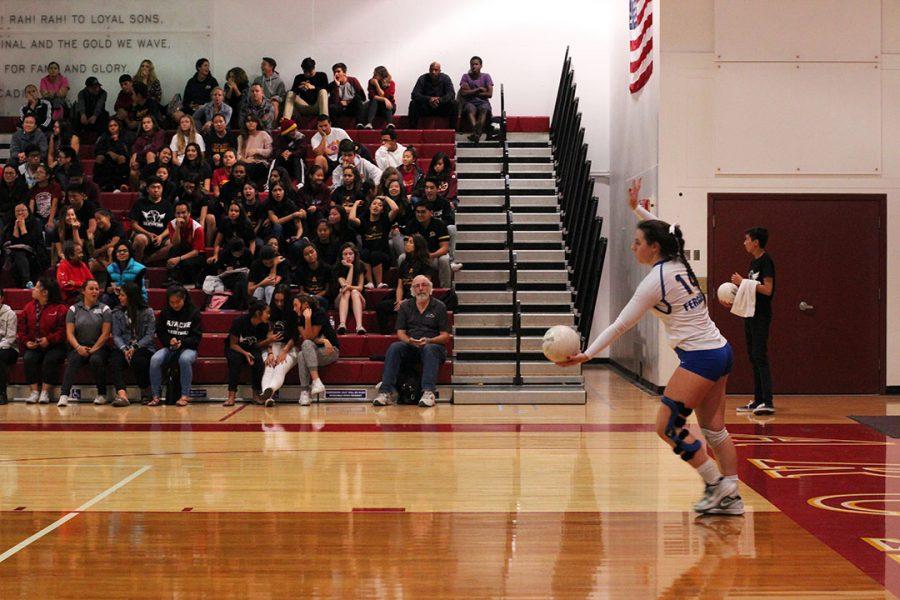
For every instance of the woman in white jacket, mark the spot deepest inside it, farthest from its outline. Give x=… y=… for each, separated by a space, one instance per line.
x=8 y=351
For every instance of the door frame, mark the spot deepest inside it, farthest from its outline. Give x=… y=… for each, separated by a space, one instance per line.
x=880 y=199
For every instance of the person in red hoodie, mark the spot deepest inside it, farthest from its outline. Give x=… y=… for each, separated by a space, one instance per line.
x=187 y=256
x=72 y=272
x=41 y=335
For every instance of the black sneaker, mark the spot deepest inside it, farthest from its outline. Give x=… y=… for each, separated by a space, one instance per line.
x=764 y=408
x=750 y=407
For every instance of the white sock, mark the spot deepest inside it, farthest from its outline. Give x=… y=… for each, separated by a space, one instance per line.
x=733 y=478
x=709 y=471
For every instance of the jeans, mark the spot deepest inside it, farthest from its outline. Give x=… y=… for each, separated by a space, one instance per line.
x=356 y=108
x=139 y=367
x=98 y=363
x=236 y=364
x=264 y=293
x=166 y=356
x=42 y=364
x=432 y=356
x=756 y=329
x=375 y=107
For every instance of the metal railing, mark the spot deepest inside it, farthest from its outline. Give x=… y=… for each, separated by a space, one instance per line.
x=582 y=229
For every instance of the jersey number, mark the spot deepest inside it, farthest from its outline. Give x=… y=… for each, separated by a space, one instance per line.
x=684 y=284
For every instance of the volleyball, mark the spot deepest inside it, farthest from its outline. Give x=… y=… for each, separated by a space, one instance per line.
x=561 y=342
x=727 y=292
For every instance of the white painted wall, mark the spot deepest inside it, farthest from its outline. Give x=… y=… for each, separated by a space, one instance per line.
x=687 y=133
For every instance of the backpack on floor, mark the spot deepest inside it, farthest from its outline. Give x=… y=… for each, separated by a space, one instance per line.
x=409 y=379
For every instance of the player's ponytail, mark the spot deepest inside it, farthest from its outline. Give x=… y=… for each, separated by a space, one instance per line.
x=671 y=244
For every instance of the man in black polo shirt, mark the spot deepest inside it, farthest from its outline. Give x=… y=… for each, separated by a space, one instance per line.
x=423 y=330
x=437 y=236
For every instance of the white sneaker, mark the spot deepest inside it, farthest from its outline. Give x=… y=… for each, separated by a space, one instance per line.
x=456 y=266
x=721 y=498
x=44 y=397
x=383 y=399
x=63 y=400
x=370 y=285
x=304 y=398
x=317 y=388
x=32 y=398
x=427 y=399
x=99 y=400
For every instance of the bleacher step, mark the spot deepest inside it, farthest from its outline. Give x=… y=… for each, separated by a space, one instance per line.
x=506 y=368
x=545 y=184
x=504 y=320
x=535 y=298
x=497 y=344
x=573 y=380
x=506 y=394
x=523 y=256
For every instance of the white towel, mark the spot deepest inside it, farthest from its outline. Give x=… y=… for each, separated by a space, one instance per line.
x=745 y=299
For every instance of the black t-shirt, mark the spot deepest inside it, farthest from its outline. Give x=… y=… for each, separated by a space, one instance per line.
x=248 y=335
x=341 y=271
x=283 y=321
x=231 y=191
x=259 y=271
x=328 y=253
x=229 y=262
x=196 y=201
x=376 y=235
x=320 y=318
x=232 y=229
x=314 y=281
x=434 y=234
x=320 y=80
x=150 y=216
x=116 y=229
x=281 y=210
x=409 y=270
x=440 y=208
x=219 y=145
x=84 y=214
x=760 y=268
x=257 y=213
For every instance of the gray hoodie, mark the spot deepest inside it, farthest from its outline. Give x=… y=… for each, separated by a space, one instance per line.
x=8 y=325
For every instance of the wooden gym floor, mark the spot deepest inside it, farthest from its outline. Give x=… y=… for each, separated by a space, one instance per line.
x=349 y=501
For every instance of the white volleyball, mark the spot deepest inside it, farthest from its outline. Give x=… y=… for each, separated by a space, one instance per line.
x=561 y=342
x=727 y=292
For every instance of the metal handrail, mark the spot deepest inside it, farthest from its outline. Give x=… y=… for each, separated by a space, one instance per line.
x=502 y=117
x=516 y=315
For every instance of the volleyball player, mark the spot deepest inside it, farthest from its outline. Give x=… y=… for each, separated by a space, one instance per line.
x=672 y=292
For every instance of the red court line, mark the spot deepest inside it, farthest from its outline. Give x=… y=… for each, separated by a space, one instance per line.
x=334 y=427
x=233 y=412
x=378 y=510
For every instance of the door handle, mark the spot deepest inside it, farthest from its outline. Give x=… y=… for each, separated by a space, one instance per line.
x=804 y=306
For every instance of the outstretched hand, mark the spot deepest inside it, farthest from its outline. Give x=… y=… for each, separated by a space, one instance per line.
x=575 y=359
x=634 y=191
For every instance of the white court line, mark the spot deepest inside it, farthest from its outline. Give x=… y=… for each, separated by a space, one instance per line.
x=68 y=517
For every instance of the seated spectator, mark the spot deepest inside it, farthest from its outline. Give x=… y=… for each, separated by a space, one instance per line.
x=423 y=331
x=9 y=323
x=351 y=188
x=61 y=168
x=266 y=272
x=36 y=107
x=326 y=144
x=28 y=169
x=349 y=274
x=179 y=331
x=72 y=272
x=308 y=93
x=88 y=326
x=279 y=358
x=46 y=196
x=289 y=149
x=235 y=224
x=286 y=218
x=438 y=239
x=163 y=159
x=124 y=269
x=55 y=89
x=257 y=212
x=142 y=106
x=41 y=334
x=255 y=149
x=23 y=243
x=203 y=116
x=270 y=82
x=247 y=338
x=187 y=250
x=149 y=217
x=315 y=196
x=62 y=139
x=146 y=75
x=233 y=188
x=184 y=135
x=341 y=231
x=77 y=178
x=346 y=96
x=441 y=171
x=327 y=246
x=125 y=99
x=13 y=191
x=475 y=91
x=236 y=86
x=134 y=342
x=415 y=262
x=148 y=144
x=222 y=173
x=111 y=154
x=409 y=171
x=219 y=141
x=395 y=191
x=440 y=207
x=433 y=96
x=374 y=229
x=84 y=209
x=231 y=267
x=316 y=344
x=90 y=114
x=25 y=138
x=68 y=231
x=390 y=153
x=368 y=172
x=194 y=167
x=314 y=276
x=109 y=231
x=255 y=104
x=381 y=97
x=197 y=90
x=195 y=196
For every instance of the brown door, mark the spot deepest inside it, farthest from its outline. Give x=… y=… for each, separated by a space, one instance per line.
x=829 y=253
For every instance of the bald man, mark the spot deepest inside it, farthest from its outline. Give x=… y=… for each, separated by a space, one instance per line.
x=423 y=331
x=433 y=96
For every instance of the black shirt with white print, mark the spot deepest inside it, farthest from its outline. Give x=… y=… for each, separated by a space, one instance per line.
x=247 y=334
x=760 y=268
x=154 y=217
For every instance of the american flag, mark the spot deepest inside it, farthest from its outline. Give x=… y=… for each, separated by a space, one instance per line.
x=640 y=24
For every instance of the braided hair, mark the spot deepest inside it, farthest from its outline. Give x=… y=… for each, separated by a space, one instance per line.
x=671 y=245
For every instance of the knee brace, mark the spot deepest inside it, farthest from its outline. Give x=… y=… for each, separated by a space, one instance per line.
x=676 y=432
x=715 y=438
